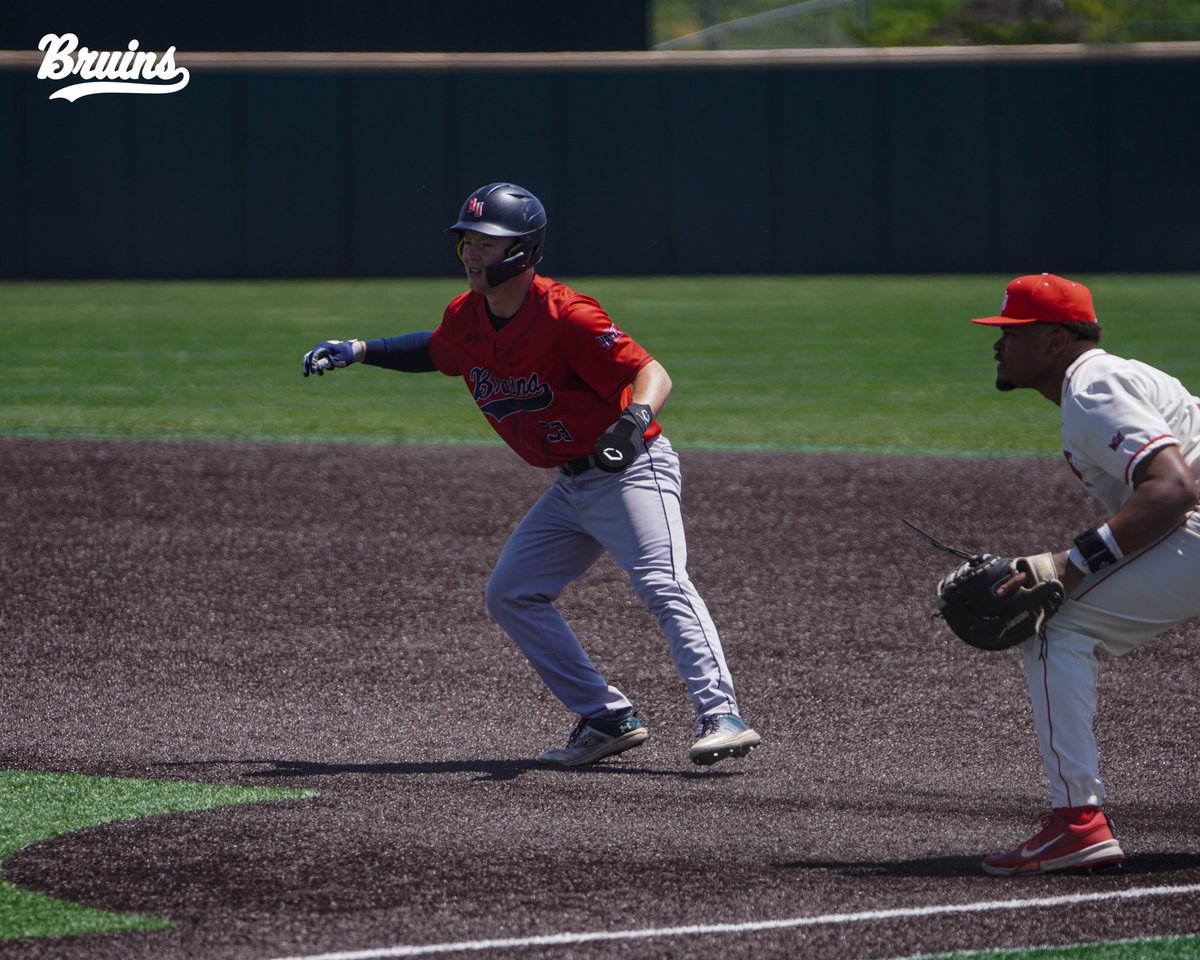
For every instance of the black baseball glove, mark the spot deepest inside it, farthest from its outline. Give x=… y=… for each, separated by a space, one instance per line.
x=967 y=599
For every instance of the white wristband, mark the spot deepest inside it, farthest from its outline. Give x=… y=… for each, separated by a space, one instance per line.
x=1109 y=540
x=1075 y=558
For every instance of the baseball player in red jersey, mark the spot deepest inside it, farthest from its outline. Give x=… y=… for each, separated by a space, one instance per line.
x=1131 y=434
x=569 y=390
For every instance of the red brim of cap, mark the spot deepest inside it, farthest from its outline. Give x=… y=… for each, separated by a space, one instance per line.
x=1003 y=321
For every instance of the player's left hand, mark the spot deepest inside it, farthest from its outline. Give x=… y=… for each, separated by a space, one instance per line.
x=618 y=445
x=1034 y=570
x=331 y=355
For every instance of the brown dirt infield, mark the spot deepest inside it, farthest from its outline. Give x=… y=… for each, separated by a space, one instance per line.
x=312 y=617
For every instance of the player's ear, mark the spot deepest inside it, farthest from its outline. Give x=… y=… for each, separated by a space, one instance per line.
x=458 y=249
x=1057 y=338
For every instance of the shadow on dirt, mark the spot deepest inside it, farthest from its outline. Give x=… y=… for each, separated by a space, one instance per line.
x=495 y=770
x=928 y=867
x=1142 y=864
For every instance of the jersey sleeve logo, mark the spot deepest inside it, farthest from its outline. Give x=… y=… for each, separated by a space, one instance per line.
x=1116 y=441
x=608 y=339
x=504 y=397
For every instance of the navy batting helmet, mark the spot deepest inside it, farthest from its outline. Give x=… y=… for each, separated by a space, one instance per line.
x=505 y=210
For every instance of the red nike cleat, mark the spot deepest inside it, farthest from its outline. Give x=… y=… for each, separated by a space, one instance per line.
x=1071 y=838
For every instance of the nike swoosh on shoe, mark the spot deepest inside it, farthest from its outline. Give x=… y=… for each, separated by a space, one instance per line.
x=1030 y=854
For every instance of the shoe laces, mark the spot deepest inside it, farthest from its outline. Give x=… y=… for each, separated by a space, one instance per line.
x=710 y=723
x=575 y=734
x=610 y=725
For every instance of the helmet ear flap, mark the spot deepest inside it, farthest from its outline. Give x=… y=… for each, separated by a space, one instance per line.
x=528 y=248
x=522 y=253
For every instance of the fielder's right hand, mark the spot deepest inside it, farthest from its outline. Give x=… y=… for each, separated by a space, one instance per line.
x=333 y=355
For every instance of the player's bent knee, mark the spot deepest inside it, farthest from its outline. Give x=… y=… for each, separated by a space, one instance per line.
x=506 y=595
x=660 y=588
x=499 y=595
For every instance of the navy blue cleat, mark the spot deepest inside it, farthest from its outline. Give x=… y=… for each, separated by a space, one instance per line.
x=599 y=737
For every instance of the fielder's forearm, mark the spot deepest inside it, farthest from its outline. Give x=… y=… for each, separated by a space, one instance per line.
x=1158 y=505
x=1165 y=491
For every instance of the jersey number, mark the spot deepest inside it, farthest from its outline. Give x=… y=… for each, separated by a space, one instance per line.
x=556 y=432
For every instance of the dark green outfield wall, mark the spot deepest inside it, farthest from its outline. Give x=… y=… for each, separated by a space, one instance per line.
x=1006 y=164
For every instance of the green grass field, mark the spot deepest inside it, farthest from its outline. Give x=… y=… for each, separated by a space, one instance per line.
x=38 y=806
x=781 y=363
x=1164 y=948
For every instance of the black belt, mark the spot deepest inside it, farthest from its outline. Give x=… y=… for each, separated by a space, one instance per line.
x=573 y=468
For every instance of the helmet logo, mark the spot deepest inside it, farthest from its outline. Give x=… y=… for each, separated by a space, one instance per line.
x=475 y=207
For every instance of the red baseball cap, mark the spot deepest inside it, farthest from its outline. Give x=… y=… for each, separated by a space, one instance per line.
x=1043 y=298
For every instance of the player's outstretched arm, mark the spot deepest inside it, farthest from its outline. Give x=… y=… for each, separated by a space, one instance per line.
x=333 y=355
x=407 y=352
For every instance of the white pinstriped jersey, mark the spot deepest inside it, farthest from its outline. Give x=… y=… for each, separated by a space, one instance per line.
x=1115 y=412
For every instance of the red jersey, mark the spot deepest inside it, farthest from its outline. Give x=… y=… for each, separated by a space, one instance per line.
x=552 y=380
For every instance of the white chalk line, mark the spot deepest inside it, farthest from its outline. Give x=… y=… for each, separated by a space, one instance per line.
x=897 y=913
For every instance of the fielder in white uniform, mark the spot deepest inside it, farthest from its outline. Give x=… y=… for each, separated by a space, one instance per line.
x=1131 y=434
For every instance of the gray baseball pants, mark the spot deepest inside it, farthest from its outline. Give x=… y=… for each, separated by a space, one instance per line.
x=636 y=517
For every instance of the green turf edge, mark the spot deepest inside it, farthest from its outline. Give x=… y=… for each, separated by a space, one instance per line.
x=1149 y=948
x=38 y=806
x=327 y=440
